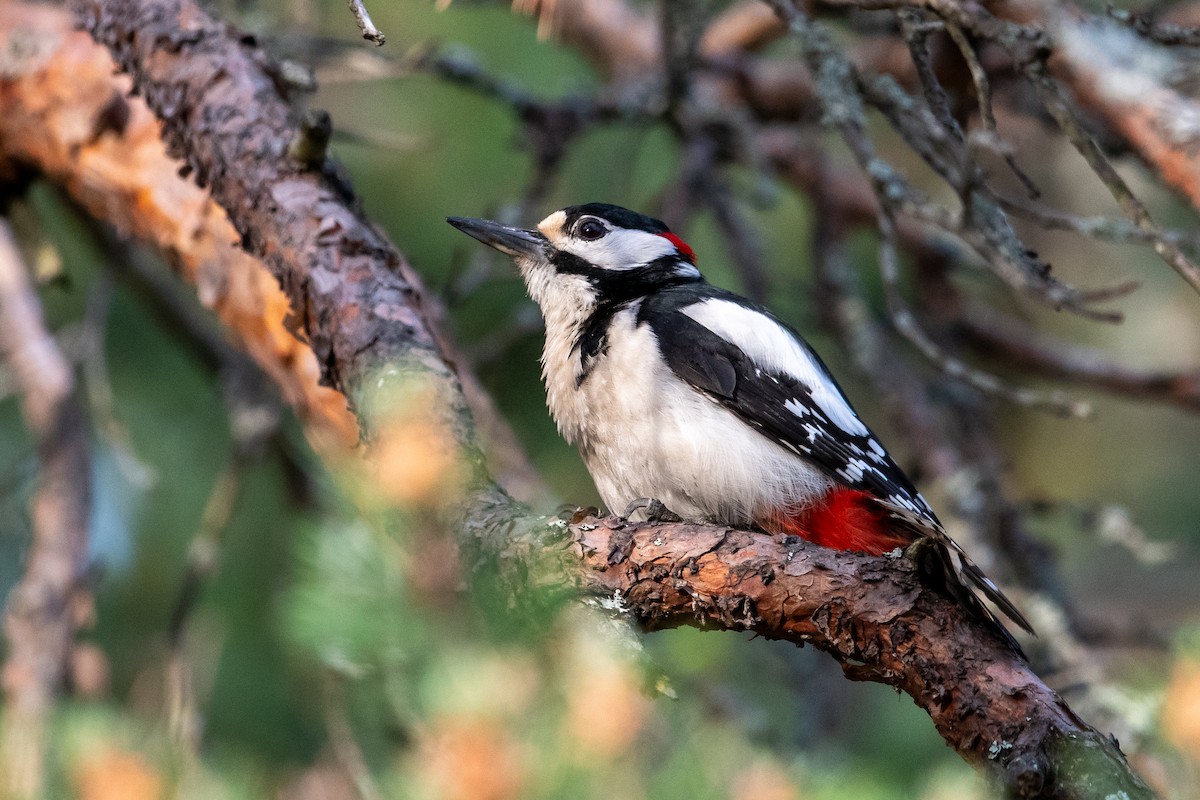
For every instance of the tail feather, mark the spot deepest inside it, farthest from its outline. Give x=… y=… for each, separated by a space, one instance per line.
x=992 y=592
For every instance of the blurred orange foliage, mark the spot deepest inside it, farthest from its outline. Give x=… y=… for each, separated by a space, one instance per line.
x=1181 y=708
x=111 y=774
x=472 y=758
x=762 y=780
x=416 y=454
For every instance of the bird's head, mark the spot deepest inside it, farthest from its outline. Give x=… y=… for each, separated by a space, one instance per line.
x=593 y=253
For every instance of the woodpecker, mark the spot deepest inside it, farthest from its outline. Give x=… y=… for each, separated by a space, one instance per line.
x=684 y=393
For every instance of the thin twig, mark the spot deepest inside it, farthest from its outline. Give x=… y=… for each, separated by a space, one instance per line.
x=1003 y=338
x=871 y=348
x=1060 y=109
x=837 y=88
x=41 y=616
x=905 y=320
x=1160 y=32
x=982 y=224
x=915 y=31
x=1006 y=255
x=548 y=127
x=183 y=720
x=983 y=96
x=369 y=31
x=742 y=242
x=1112 y=229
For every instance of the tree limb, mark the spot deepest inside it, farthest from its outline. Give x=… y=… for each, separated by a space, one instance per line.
x=877 y=620
x=363 y=312
x=43 y=611
x=116 y=168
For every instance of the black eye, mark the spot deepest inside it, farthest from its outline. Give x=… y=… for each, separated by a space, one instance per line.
x=591 y=230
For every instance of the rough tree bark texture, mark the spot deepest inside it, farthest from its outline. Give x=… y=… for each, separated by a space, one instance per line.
x=107 y=152
x=224 y=113
x=874 y=617
x=223 y=110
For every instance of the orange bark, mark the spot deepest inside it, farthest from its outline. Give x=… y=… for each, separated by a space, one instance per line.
x=66 y=114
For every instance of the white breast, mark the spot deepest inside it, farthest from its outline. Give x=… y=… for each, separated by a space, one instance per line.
x=673 y=444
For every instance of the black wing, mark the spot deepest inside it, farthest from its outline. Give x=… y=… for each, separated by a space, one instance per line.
x=786 y=410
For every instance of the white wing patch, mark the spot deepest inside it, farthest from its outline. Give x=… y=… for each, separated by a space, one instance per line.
x=853 y=471
x=772 y=346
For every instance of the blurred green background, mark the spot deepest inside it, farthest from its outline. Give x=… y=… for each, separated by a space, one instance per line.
x=311 y=626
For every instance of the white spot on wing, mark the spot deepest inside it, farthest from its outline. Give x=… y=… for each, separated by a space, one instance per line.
x=797 y=408
x=773 y=347
x=853 y=471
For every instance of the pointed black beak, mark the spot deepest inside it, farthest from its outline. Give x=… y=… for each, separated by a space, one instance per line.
x=516 y=242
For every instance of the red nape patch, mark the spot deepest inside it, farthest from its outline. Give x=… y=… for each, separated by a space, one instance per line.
x=681 y=246
x=845 y=519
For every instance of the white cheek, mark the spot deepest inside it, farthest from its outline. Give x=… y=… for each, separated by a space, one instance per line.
x=621 y=250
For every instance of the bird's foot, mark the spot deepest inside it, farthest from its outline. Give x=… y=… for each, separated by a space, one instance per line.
x=654 y=508
x=923 y=552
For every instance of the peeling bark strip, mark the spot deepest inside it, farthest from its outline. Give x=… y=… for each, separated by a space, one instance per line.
x=224 y=113
x=64 y=114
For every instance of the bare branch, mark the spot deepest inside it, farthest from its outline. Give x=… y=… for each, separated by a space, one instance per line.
x=1112 y=229
x=1064 y=115
x=1003 y=338
x=905 y=321
x=369 y=31
x=1163 y=33
x=836 y=87
x=126 y=161
x=43 y=609
x=983 y=95
x=916 y=30
x=871 y=614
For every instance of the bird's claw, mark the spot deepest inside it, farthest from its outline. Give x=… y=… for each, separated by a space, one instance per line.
x=923 y=554
x=656 y=510
x=914 y=550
